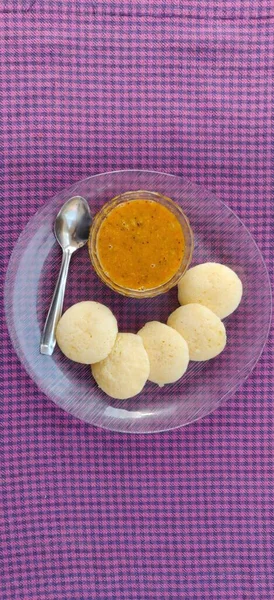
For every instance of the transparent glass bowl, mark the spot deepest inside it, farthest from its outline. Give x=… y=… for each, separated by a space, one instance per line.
x=219 y=236
x=129 y=197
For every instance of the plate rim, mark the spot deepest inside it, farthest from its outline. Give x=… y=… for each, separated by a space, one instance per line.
x=12 y=335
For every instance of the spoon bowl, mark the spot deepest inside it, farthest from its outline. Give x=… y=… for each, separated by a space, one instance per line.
x=71 y=227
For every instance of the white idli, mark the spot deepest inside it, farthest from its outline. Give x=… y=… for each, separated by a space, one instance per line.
x=167 y=352
x=203 y=331
x=86 y=332
x=124 y=372
x=213 y=285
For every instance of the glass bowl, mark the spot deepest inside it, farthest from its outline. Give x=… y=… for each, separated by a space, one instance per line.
x=129 y=197
x=219 y=236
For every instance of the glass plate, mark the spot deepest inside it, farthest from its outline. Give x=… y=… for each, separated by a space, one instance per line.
x=219 y=236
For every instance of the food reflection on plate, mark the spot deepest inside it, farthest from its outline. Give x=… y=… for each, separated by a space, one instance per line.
x=141 y=245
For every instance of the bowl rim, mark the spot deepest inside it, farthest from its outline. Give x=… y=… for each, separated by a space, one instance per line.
x=181 y=217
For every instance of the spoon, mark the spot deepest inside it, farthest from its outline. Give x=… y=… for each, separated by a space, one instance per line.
x=71 y=229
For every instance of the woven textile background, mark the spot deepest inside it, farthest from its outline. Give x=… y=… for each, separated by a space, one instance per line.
x=175 y=86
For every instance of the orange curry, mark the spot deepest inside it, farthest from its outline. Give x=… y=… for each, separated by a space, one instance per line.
x=140 y=244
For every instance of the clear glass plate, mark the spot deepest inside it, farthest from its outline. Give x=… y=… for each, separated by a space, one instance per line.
x=219 y=236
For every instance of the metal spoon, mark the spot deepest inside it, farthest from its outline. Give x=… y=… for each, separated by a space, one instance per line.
x=71 y=230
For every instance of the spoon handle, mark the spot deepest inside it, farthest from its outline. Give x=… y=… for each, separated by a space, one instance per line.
x=48 y=339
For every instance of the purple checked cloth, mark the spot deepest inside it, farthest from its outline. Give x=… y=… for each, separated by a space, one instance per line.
x=176 y=86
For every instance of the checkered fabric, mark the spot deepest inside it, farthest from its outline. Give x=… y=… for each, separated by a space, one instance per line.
x=175 y=86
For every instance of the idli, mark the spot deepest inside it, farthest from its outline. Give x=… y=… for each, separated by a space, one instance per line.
x=213 y=285
x=167 y=352
x=124 y=372
x=86 y=332
x=203 y=331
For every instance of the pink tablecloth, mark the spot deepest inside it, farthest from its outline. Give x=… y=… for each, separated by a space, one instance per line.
x=176 y=86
